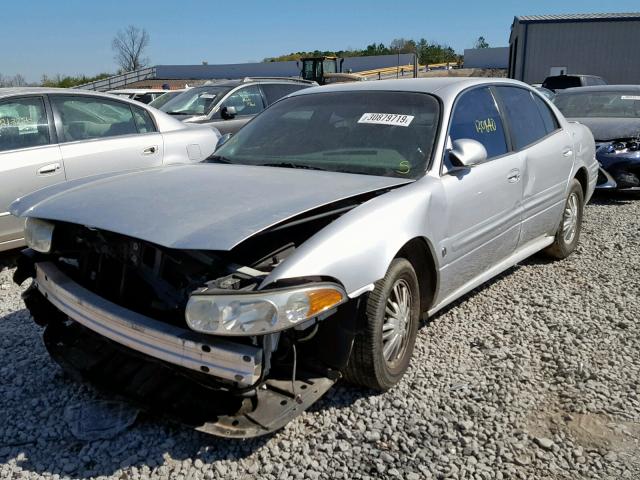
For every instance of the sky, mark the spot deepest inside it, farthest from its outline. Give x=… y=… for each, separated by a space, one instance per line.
x=74 y=37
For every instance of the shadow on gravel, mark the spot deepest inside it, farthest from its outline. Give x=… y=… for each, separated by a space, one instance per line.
x=8 y=259
x=614 y=197
x=34 y=435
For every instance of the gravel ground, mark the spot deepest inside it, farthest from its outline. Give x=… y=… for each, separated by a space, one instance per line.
x=534 y=375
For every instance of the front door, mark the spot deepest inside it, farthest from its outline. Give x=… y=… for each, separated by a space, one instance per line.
x=483 y=202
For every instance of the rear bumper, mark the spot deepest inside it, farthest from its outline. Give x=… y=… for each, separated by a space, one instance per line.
x=236 y=363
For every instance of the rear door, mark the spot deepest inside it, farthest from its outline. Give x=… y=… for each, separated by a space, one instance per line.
x=30 y=158
x=548 y=159
x=483 y=202
x=99 y=135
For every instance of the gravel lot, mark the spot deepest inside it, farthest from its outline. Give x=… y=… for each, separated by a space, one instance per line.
x=532 y=376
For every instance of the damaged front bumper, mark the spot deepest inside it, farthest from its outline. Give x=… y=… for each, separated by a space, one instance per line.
x=213 y=385
x=229 y=361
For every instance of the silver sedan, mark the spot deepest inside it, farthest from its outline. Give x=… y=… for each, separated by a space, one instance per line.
x=307 y=248
x=49 y=136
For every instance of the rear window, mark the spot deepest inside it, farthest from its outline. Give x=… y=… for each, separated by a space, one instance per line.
x=525 y=122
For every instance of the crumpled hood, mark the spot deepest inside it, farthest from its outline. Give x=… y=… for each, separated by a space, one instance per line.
x=200 y=207
x=605 y=129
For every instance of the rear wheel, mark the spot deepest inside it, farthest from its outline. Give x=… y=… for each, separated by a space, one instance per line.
x=568 y=234
x=382 y=349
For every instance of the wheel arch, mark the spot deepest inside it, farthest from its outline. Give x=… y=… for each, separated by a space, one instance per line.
x=420 y=253
x=583 y=177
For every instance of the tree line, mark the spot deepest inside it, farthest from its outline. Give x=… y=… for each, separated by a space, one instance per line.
x=428 y=52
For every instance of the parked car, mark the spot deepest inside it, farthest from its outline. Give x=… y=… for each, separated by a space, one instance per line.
x=165 y=97
x=48 y=136
x=142 y=95
x=612 y=112
x=228 y=105
x=307 y=249
x=560 y=82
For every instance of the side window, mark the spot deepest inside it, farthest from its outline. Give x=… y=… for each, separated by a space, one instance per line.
x=143 y=120
x=476 y=117
x=548 y=118
x=275 y=91
x=525 y=122
x=84 y=118
x=247 y=101
x=23 y=124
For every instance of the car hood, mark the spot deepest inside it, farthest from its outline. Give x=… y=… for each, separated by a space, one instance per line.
x=200 y=207
x=605 y=129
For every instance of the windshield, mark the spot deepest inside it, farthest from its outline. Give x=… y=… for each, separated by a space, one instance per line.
x=195 y=101
x=163 y=99
x=617 y=104
x=369 y=132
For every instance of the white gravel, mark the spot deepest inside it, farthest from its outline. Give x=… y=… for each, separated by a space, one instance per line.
x=535 y=375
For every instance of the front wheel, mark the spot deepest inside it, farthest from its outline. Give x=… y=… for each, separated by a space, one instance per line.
x=568 y=234
x=383 y=347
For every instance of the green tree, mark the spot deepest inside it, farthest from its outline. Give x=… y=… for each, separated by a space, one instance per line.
x=481 y=43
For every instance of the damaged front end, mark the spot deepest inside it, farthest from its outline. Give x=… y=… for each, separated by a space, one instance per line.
x=619 y=164
x=191 y=333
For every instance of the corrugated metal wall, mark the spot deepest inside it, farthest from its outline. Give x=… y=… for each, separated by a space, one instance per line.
x=497 y=57
x=605 y=48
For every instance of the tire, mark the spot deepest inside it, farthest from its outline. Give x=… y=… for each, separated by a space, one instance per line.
x=568 y=234
x=368 y=366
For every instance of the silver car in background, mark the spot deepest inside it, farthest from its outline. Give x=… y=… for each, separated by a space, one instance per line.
x=48 y=136
x=307 y=249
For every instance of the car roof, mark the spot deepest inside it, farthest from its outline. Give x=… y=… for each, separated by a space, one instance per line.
x=250 y=80
x=603 y=88
x=439 y=86
x=137 y=90
x=14 y=91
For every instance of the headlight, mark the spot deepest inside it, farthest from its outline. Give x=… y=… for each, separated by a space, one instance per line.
x=261 y=312
x=38 y=234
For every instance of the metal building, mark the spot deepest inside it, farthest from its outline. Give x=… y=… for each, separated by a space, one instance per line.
x=604 y=44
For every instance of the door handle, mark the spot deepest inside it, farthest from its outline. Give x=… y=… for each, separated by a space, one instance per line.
x=514 y=176
x=49 y=169
x=567 y=152
x=150 y=150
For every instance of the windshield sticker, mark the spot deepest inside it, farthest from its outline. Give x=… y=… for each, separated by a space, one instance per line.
x=395 y=119
x=403 y=168
x=487 y=125
x=630 y=97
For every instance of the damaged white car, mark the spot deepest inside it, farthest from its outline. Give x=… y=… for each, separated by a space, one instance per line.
x=232 y=294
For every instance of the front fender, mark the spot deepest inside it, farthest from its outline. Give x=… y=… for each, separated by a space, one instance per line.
x=357 y=248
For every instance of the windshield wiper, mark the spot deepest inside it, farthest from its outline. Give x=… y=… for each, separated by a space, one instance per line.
x=292 y=165
x=180 y=113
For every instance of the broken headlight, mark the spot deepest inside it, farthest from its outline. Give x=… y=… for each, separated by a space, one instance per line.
x=262 y=312
x=38 y=234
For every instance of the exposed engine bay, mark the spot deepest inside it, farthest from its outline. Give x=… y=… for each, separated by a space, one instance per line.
x=155 y=282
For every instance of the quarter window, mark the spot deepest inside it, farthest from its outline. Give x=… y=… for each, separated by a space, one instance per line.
x=476 y=117
x=247 y=101
x=525 y=121
x=23 y=124
x=87 y=118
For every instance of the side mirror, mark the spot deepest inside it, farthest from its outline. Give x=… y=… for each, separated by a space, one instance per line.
x=467 y=152
x=223 y=139
x=228 y=113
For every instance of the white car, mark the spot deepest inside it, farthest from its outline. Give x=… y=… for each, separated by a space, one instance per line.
x=48 y=136
x=142 y=95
